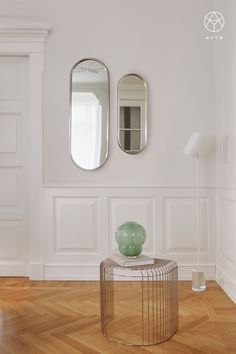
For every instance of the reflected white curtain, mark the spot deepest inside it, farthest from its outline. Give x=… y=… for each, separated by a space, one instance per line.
x=86 y=129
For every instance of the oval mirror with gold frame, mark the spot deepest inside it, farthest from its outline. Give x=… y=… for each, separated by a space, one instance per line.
x=132 y=113
x=89 y=121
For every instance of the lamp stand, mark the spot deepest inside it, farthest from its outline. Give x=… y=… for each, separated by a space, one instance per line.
x=198 y=275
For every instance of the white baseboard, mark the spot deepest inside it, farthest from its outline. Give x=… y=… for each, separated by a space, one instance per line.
x=71 y=272
x=227 y=283
x=13 y=269
x=36 y=271
x=91 y=272
x=185 y=271
x=40 y=271
x=58 y=271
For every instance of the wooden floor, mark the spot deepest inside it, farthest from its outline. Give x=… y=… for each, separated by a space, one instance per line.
x=63 y=317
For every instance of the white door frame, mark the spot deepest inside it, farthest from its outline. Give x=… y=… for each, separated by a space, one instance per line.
x=28 y=39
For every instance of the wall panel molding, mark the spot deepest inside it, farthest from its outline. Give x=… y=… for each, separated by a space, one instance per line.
x=13 y=139
x=127 y=186
x=13 y=164
x=75 y=226
x=226 y=243
x=22 y=59
x=11 y=240
x=106 y=208
x=180 y=225
x=10 y=187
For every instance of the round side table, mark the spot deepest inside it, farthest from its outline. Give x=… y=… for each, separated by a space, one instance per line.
x=139 y=304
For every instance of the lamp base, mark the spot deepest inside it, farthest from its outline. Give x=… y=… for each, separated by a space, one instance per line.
x=198 y=280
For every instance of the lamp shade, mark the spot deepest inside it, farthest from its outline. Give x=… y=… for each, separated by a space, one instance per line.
x=193 y=145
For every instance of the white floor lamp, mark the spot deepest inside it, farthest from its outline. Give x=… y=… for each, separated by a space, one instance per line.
x=192 y=148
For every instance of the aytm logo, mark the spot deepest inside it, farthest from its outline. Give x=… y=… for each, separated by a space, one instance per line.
x=214 y=21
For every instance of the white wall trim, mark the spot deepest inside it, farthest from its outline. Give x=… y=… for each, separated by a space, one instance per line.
x=15 y=30
x=143 y=205
x=36 y=271
x=229 y=188
x=54 y=271
x=227 y=283
x=71 y=271
x=23 y=38
x=12 y=269
x=71 y=185
x=80 y=271
x=225 y=265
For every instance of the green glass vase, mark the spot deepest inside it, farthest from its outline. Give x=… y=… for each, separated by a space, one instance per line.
x=130 y=237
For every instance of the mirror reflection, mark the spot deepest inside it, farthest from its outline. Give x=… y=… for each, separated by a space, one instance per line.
x=89 y=123
x=132 y=113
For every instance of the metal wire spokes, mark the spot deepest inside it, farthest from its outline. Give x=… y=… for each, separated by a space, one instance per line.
x=139 y=305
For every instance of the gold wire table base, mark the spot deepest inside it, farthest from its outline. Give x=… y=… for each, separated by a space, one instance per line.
x=139 y=305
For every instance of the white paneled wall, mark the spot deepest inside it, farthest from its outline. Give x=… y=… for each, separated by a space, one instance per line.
x=71 y=217
x=77 y=229
x=13 y=166
x=225 y=92
x=180 y=225
x=81 y=223
x=226 y=243
x=11 y=240
x=21 y=193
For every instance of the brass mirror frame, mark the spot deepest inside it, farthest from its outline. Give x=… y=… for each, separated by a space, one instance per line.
x=145 y=114
x=108 y=113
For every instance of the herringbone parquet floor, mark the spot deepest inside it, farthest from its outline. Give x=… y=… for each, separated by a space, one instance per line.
x=63 y=318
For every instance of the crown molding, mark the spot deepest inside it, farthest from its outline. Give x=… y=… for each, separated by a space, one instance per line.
x=20 y=30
